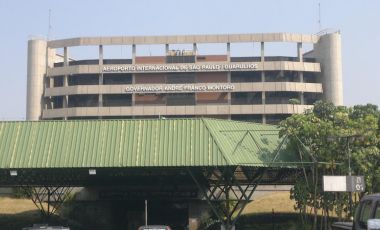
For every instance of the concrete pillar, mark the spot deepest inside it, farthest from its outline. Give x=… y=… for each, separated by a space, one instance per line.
x=133 y=54
x=228 y=52
x=299 y=52
x=133 y=75
x=302 y=98
x=195 y=49
x=328 y=52
x=66 y=77
x=100 y=54
x=301 y=76
x=100 y=99
x=264 y=118
x=166 y=49
x=133 y=96
x=36 y=71
x=263 y=92
x=229 y=95
x=65 y=56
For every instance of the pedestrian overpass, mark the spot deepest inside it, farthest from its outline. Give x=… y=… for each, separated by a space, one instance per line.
x=218 y=161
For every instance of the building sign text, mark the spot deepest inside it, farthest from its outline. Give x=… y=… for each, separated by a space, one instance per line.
x=183 y=67
x=167 y=88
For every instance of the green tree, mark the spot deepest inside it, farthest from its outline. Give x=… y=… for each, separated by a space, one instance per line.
x=330 y=134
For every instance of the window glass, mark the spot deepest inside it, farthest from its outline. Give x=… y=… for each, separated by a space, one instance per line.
x=365 y=213
x=83 y=79
x=254 y=76
x=116 y=79
x=377 y=210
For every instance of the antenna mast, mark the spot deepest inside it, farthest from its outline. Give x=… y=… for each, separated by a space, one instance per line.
x=50 y=27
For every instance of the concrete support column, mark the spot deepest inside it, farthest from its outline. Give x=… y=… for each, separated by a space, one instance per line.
x=100 y=101
x=66 y=77
x=133 y=75
x=299 y=52
x=36 y=71
x=133 y=54
x=166 y=49
x=228 y=52
x=101 y=56
x=263 y=92
x=100 y=78
x=65 y=56
x=263 y=96
x=302 y=98
x=47 y=102
x=301 y=94
x=328 y=52
x=301 y=76
x=133 y=97
x=229 y=96
x=195 y=53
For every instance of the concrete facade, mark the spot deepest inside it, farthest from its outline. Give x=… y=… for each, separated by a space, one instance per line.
x=328 y=53
x=37 y=66
x=182 y=83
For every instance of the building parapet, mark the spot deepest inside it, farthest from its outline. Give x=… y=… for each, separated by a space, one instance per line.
x=184 y=39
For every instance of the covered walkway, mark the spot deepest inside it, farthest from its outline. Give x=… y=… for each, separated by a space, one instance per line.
x=206 y=159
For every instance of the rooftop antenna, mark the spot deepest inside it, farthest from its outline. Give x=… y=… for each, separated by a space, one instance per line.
x=50 y=27
x=319 y=17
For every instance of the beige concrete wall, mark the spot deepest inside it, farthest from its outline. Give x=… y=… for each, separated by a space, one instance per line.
x=158 y=78
x=36 y=70
x=238 y=87
x=212 y=77
x=261 y=66
x=328 y=51
x=197 y=110
x=185 y=39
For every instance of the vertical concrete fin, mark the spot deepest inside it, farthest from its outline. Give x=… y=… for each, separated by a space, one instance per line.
x=328 y=52
x=36 y=70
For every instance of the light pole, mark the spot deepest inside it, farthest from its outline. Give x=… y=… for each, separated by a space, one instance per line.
x=146 y=212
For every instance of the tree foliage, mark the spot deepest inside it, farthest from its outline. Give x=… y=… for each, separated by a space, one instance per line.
x=331 y=134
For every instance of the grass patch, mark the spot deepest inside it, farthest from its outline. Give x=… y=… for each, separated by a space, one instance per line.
x=279 y=202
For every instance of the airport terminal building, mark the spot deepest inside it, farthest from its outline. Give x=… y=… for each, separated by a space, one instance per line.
x=183 y=82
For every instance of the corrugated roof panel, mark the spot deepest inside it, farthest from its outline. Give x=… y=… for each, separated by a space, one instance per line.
x=245 y=143
x=135 y=143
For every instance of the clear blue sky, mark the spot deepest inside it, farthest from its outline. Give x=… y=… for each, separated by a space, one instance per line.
x=358 y=21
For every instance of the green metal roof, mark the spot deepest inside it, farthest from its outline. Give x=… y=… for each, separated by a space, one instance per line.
x=137 y=143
